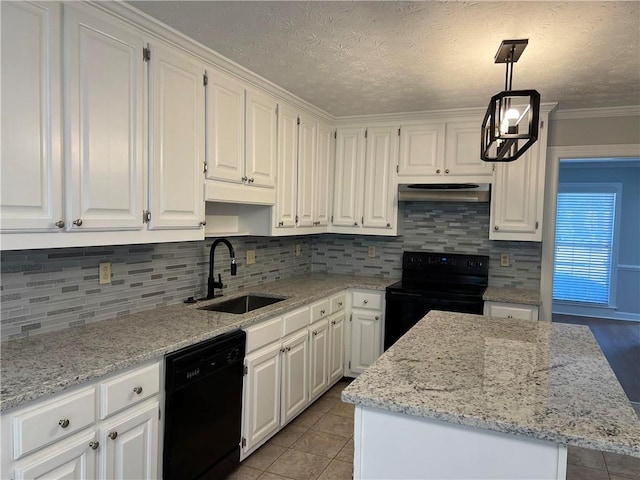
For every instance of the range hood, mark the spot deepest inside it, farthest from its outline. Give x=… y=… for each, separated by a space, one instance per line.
x=444 y=192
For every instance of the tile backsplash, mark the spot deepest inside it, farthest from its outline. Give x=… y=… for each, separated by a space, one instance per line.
x=432 y=227
x=46 y=290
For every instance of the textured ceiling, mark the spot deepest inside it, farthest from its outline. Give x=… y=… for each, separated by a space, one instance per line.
x=352 y=58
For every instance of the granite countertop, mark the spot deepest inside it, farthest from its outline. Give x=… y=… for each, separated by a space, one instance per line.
x=34 y=367
x=522 y=296
x=538 y=379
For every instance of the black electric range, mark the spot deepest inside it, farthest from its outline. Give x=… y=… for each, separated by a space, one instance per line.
x=434 y=281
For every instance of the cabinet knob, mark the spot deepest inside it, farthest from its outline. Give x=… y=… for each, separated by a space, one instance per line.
x=59 y=224
x=509 y=316
x=339 y=304
x=282 y=350
x=288 y=349
x=333 y=322
x=77 y=222
x=322 y=312
x=446 y=171
x=113 y=435
x=388 y=225
x=137 y=390
x=438 y=171
x=377 y=317
x=202 y=224
x=365 y=301
x=251 y=180
x=355 y=224
x=94 y=445
x=315 y=333
x=244 y=179
x=64 y=423
x=496 y=227
x=281 y=223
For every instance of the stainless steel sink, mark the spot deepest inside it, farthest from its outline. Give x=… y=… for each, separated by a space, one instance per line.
x=243 y=304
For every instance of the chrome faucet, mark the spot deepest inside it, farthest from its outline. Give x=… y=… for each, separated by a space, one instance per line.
x=212 y=284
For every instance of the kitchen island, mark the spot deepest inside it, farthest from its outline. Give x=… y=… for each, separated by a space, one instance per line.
x=468 y=396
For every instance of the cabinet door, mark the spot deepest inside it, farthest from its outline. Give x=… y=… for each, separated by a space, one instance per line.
x=349 y=172
x=130 y=444
x=365 y=339
x=71 y=459
x=462 y=151
x=517 y=199
x=261 y=139
x=306 y=164
x=336 y=346
x=295 y=375
x=225 y=128
x=380 y=160
x=287 y=167
x=177 y=113
x=261 y=409
x=31 y=188
x=319 y=358
x=104 y=80
x=323 y=175
x=421 y=150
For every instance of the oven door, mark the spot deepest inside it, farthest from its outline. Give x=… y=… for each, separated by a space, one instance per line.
x=405 y=309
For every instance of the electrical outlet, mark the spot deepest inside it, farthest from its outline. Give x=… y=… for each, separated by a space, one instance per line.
x=372 y=251
x=504 y=260
x=298 y=250
x=251 y=257
x=105 y=273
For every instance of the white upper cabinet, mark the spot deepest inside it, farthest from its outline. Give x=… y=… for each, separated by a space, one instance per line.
x=177 y=111
x=225 y=128
x=462 y=151
x=349 y=176
x=287 y=167
x=323 y=175
x=442 y=151
x=307 y=134
x=379 y=195
x=304 y=156
x=104 y=85
x=261 y=127
x=31 y=185
x=364 y=199
x=421 y=149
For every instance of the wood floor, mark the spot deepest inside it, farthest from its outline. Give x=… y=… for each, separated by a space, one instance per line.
x=620 y=342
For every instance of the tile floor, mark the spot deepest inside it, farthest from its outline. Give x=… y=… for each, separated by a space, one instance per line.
x=319 y=445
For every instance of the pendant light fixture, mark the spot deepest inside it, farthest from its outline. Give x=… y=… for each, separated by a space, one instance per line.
x=510 y=125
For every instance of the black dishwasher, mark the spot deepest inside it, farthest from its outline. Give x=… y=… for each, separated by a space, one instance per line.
x=203 y=408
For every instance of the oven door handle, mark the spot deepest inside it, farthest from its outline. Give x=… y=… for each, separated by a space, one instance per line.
x=405 y=294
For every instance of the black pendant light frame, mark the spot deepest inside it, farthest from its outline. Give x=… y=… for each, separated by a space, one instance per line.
x=506 y=144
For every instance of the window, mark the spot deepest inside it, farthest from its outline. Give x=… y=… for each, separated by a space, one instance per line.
x=585 y=226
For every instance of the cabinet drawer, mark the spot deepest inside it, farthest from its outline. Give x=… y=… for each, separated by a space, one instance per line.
x=295 y=320
x=128 y=389
x=338 y=302
x=51 y=421
x=507 y=310
x=367 y=300
x=263 y=333
x=319 y=310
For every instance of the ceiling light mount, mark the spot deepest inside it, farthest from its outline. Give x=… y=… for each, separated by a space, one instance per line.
x=510 y=125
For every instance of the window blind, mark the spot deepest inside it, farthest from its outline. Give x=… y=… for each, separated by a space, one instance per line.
x=584 y=246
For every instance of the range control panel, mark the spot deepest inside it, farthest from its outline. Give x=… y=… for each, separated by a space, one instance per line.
x=448 y=262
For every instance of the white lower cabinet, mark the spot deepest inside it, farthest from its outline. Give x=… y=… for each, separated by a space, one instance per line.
x=511 y=310
x=295 y=374
x=336 y=346
x=62 y=437
x=319 y=379
x=365 y=332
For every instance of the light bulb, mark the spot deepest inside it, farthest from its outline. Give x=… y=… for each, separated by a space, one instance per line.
x=510 y=121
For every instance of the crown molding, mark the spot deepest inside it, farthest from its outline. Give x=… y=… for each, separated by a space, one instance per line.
x=601 y=112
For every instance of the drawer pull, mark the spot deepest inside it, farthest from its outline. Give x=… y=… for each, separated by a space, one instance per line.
x=288 y=349
x=377 y=317
x=137 y=390
x=315 y=333
x=339 y=304
x=94 y=445
x=113 y=435
x=365 y=301
x=64 y=423
x=321 y=312
x=333 y=322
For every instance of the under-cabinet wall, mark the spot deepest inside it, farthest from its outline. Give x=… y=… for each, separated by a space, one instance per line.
x=46 y=290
